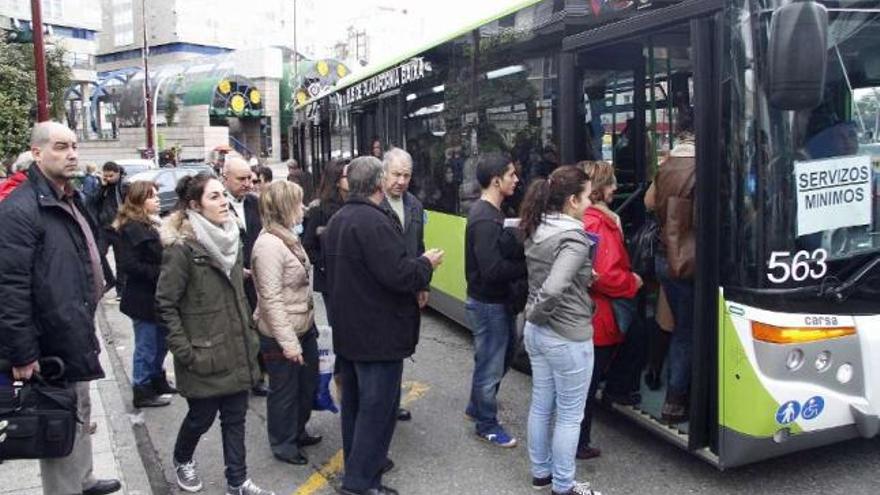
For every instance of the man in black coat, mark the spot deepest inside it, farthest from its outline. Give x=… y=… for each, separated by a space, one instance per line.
x=105 y=205
x=50 y=284
x=246 y=208
x=406 y=209
x=374 y=312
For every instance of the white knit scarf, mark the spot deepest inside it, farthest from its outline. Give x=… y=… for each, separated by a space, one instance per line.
x=222 y=243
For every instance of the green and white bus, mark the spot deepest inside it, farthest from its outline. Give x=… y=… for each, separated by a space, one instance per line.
x=786 y=103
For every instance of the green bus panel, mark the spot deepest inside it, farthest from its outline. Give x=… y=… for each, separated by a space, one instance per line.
x=446 y=232
x=744 y=405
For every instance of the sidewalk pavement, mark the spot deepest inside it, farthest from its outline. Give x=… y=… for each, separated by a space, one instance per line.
x=114 y=448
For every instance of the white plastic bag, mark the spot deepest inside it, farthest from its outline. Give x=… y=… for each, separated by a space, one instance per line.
x=326 y=362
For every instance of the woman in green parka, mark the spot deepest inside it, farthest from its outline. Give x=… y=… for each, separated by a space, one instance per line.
x=201 y=301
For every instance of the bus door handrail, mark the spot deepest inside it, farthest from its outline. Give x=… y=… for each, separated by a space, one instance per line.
x=639 y=192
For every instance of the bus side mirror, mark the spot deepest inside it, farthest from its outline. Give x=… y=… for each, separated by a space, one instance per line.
x=798 y=55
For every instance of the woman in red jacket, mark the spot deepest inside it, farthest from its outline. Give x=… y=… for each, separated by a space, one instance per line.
x=615 y=323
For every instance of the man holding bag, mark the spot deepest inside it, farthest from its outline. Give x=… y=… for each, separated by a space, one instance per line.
x=50 y=295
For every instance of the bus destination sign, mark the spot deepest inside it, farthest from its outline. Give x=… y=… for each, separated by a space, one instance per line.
x=410 y=71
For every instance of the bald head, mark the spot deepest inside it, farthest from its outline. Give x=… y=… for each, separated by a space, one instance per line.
x=54 y=150
x=237 y=177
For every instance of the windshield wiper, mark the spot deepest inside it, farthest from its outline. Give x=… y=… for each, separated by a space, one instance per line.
x=841 y=292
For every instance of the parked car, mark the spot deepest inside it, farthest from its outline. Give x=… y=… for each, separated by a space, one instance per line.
x=166 y=180
x=134 y=166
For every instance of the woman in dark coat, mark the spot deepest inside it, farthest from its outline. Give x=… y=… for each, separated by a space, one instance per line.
x=334 y=190
x=140 y=259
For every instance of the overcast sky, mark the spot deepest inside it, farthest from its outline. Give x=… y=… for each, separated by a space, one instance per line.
x=440 y=16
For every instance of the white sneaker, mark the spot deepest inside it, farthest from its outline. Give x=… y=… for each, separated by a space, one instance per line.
x=248 y=488
x=579 y=488
x=187 y=478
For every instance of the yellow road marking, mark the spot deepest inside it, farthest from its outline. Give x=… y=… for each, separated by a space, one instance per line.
x=321 y=478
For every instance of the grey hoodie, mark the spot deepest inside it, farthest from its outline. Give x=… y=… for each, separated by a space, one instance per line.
x=559 y=260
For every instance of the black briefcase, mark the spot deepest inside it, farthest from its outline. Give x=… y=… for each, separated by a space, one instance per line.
x=38 y=419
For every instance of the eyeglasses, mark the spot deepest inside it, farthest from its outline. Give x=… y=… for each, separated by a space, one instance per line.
x=257 y=181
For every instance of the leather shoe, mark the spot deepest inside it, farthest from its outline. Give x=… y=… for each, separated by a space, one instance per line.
x=306 y=440
x=403 y=414
x=382 y=490
x=389 y=465
x=297 y=459
x=103 y=487
x=260 y=389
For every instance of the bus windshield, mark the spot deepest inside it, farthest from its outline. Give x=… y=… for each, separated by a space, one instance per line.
x=809 y=202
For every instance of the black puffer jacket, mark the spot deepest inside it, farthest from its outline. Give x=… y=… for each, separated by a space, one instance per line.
x=140 y=258
x=47 y=287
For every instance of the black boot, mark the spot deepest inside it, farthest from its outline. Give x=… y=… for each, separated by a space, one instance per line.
x=145 y=396
x=162 y=386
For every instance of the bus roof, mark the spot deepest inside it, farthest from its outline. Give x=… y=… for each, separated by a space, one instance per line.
x=376 y=68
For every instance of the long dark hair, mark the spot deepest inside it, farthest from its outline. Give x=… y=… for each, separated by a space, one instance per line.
x=549 y=195
x=329 y=190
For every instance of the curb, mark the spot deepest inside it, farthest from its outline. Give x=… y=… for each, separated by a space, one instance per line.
x=138 y=460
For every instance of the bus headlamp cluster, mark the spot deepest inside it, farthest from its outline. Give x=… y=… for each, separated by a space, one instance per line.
x=823 y=362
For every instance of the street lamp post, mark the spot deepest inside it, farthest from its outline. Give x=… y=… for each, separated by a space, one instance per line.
x=40 y=61
x=148 y=96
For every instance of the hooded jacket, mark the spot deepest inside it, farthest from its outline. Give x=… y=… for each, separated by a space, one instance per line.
x=558 y=256
x=615 y=278
x=9 y=185
x=207 y=316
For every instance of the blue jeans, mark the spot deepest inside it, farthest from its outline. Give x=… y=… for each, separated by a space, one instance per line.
x=680 y=294
x=494 y=344
x=150 y=349
x=561 y=373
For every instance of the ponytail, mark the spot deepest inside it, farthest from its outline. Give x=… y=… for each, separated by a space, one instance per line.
x=533 y=206
x=549 y=196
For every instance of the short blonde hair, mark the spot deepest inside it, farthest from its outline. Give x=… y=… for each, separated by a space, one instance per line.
x=601 y=174
x=279 y=203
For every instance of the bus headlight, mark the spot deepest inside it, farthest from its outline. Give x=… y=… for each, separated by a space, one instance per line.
x=794 y=360
x=845 y=373
x=823 y=361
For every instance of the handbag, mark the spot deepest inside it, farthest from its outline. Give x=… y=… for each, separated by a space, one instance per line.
x=38 y=420
x=643 y=247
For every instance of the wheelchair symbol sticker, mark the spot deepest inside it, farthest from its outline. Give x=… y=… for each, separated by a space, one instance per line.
x=813 y=407
x=788 y=412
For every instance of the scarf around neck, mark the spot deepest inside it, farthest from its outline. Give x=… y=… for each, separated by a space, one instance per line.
x=220 y=242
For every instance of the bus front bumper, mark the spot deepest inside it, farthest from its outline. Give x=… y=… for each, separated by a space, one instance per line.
x=868 y=424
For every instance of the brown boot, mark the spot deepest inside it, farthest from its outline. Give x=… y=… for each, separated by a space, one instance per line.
x=675 y=409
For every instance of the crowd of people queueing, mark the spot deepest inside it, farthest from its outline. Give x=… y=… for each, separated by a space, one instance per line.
x=228 y=261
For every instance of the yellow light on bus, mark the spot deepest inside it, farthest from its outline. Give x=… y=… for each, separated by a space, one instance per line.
x=797 y=335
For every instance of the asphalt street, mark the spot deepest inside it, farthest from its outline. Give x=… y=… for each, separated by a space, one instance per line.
x=438 y=453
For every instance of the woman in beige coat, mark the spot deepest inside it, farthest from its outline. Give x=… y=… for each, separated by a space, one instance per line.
x=286 y=321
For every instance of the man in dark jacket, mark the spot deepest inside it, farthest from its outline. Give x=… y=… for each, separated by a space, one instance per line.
x=406 y=209
x=238 y=181
x=105 y=205
x=489 y=278
x=374 y=312
x=50 y=285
